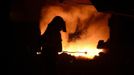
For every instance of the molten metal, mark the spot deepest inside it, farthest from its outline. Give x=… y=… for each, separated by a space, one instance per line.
x=90 y=54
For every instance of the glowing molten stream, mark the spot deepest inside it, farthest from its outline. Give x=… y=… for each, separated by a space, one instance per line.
x=83 y=51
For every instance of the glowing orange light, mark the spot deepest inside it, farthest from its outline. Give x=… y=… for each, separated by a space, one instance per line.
x=83 y=50
x=85 y=17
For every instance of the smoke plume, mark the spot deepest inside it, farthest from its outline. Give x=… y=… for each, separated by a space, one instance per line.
x=85 y=25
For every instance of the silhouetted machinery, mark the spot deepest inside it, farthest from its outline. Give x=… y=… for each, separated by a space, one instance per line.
x=100 y=44
x=103 y=45
x=122 y=14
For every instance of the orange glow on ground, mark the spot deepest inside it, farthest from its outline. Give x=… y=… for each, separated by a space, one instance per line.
x=85 y=53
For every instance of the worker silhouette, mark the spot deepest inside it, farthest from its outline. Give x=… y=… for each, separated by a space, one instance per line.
x=51 y=43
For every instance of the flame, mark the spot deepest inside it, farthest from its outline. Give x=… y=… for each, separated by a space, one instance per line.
x=92 y=25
